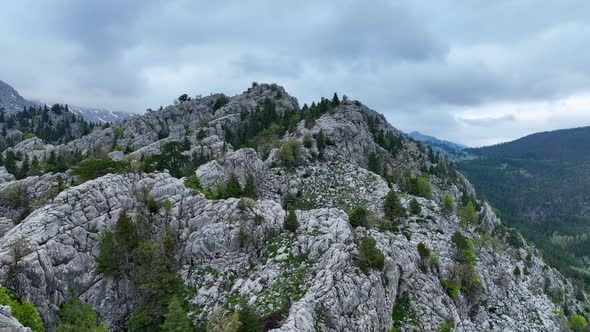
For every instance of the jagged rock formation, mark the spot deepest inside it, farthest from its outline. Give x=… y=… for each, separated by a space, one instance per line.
x=237 y=248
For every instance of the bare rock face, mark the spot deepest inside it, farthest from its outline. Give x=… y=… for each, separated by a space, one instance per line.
x=242 y=163
x=5 y=176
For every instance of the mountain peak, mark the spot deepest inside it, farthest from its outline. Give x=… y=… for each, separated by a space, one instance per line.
x=437 y=144
x=10 y=99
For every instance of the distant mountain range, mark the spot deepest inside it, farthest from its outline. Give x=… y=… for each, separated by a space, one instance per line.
x=12 y=101
x=438 y=144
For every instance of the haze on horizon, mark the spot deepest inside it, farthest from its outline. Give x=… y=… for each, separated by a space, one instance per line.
x=474 y=72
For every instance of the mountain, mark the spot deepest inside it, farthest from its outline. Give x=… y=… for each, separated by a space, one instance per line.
x=12 y=101
x=251 y=213
x=566 y=145
x=438 y=144
x=539 y=183
x=99 y=115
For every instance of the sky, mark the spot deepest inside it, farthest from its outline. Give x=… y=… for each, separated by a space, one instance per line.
x=475 y=72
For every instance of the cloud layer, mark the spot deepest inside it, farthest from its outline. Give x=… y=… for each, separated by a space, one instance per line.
x=469 y=71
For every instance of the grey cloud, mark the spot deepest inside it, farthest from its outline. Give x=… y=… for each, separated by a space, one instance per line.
x=285 y=66
x=489 y=120
x=416 y=61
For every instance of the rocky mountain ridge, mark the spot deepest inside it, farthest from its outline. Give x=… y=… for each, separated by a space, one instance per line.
x=321 y=217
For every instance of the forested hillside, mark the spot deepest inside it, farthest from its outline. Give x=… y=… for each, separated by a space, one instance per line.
x=539 y=184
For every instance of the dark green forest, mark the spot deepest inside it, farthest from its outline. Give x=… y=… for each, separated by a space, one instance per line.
x=539 y=184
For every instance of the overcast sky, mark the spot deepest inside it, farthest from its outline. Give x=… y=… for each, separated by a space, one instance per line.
x=472 y=71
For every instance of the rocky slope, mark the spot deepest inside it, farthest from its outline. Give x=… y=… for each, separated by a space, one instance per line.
x=235 y=252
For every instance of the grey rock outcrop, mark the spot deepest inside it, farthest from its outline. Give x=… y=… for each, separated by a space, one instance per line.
x=5 y=176
x=9 y=323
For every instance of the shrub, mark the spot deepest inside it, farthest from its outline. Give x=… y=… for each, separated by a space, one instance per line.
x=464 y=248
x=423 y=251
x=447 y=205
x=468 y=215
x=415 y=207
x=223 y=321
x=423 y=187
x=23 y=310
x=577 y=323
x=291 y=223
x=470 y=283
x=152 y=205
x=119 y=132
x=192 y=182
x=514 y=239
x=392 y=207
x=167 y=205
x=289 y=152
x=221 y=101
x=307 y=141
x=16 y=196
x=516 y=271
x=358 y=217
x=370 y=255
x=434 y=260
x=249 y=319
x=78 y=317
x=451 y=287
x=401 y=312
x=448 y=325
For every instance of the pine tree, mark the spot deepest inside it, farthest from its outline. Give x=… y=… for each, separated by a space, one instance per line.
x=320 y=140
x=233 y=187
x=392 y=207
x=10 y=162
x=415 y=207
x=176 y=319
x=358 y=216
x=250 y=187
x=125 y=232
x=249 y=319
x=335 y=100
x=24 y=168
x=291 y=223
x=374 y=163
